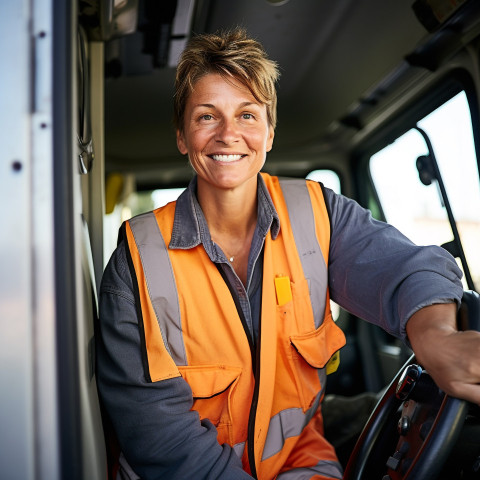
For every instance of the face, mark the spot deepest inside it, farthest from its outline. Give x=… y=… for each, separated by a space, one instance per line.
x=226 y=133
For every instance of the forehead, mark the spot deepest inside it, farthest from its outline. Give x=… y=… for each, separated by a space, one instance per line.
x=218 y=90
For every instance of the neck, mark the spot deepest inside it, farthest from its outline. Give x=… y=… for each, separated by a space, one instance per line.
x=230 y=213
x=231 y=217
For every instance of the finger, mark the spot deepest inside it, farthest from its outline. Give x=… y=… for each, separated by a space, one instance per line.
x=466 y=391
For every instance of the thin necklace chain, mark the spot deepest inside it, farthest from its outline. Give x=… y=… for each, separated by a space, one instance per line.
x=230 y=258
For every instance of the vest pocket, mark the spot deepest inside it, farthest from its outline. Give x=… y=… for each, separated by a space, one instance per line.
x=212 y=389
x=311 y=352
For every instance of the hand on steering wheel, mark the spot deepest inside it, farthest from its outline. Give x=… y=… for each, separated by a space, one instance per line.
x=415 y=424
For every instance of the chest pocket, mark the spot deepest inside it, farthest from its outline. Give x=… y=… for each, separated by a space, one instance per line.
x=310 y=354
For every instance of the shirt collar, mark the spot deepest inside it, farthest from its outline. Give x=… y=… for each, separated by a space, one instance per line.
x=190 y=227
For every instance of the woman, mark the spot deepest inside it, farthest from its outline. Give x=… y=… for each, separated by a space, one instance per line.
x=216 y=332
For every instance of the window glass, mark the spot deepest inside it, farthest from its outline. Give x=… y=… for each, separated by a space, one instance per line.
x=133 y=204
x=328 y=177
x=417 y=209
x=165 y=195
x=331 y=180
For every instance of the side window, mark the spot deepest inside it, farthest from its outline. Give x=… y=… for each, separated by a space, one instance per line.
x=418 y=209
x=129 y=204
x=328 y=177
x=331 y=180
x=163 y=196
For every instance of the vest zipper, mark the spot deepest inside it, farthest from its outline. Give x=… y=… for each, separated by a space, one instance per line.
x=255 y=354
x=253 y=413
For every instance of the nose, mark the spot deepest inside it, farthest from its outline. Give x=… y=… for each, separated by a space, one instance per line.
x=227 y=131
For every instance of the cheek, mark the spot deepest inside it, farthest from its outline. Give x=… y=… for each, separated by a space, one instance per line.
x=198 y=140
x=260 y=141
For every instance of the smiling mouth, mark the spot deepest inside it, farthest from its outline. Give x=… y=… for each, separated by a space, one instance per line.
x=226 y=158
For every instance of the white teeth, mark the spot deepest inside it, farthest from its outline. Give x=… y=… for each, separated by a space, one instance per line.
x=226 y=158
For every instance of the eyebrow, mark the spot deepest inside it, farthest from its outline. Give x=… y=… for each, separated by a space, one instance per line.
x=206 y=105
x=210 y=105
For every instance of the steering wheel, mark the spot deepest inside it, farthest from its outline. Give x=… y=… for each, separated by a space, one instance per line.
x=415 y=425
x=411 y=431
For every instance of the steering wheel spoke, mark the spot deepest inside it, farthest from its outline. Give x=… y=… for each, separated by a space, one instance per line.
x=411 y=431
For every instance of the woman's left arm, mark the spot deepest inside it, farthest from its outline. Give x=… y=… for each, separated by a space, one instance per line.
x=378 y=274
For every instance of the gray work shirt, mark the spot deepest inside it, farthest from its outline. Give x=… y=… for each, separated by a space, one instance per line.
x=374 y=271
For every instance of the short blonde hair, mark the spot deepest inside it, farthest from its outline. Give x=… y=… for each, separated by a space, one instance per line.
x=230 y=54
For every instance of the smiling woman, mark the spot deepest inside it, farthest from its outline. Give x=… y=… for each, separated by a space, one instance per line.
x=230 y=289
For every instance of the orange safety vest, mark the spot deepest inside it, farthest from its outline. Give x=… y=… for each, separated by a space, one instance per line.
x=265 y=404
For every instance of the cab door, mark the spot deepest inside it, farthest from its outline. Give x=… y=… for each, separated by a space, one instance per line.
x=50 y=417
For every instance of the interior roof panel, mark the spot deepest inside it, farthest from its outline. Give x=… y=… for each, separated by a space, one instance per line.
x=329 y=53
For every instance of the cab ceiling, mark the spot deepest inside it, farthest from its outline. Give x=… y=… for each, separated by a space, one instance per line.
x=330 y=54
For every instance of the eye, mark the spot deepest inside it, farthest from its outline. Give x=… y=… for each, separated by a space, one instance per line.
x=247 y=116
x=207 y=117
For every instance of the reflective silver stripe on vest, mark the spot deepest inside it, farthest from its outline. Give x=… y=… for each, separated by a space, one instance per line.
x=160 y=283
x=322 y=375
x=291 y=422
x=286 y=424
x=325 y=468
x=302 y=220
x=239 y=448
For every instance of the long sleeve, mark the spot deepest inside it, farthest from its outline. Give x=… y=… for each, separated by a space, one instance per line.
x=378 y=274
x=159 y=434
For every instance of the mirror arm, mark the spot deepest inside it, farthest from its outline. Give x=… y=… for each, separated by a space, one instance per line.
x=446 y=202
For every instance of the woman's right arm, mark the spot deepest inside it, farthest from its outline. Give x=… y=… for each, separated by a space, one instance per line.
x=159 y=434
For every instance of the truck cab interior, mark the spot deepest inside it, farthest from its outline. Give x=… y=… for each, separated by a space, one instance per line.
x=379 y=100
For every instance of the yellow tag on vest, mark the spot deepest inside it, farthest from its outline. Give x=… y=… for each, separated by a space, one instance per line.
x=282 y=288
x=333 y=363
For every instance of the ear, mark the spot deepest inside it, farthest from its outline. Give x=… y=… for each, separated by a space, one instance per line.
x=271 y=135
x=181 y=145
